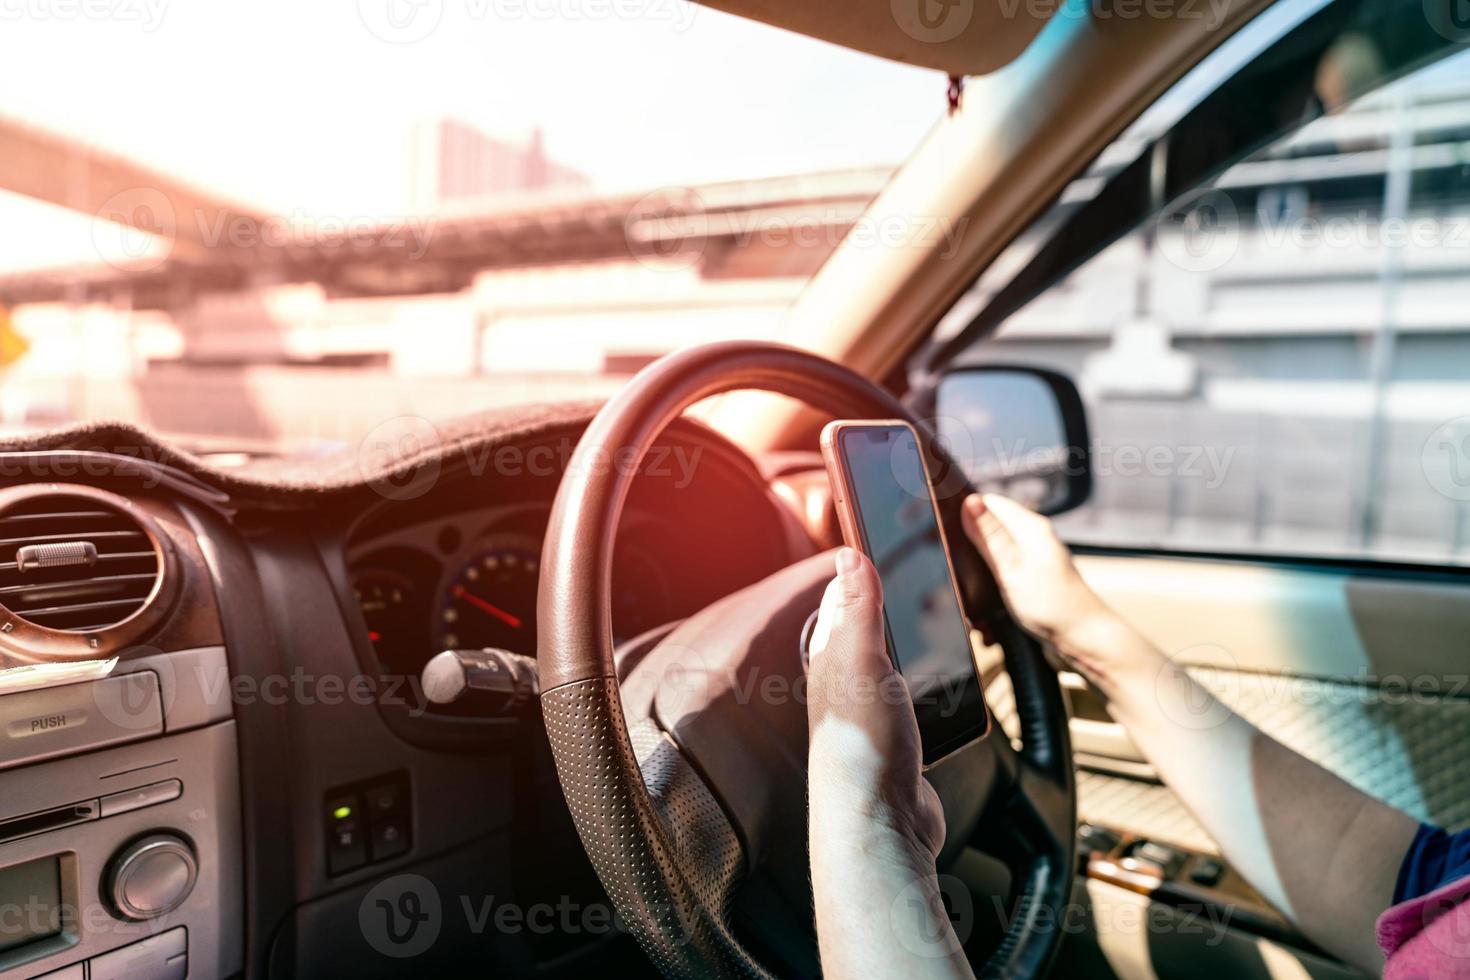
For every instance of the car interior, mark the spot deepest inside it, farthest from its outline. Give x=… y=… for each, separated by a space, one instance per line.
x=518 y=692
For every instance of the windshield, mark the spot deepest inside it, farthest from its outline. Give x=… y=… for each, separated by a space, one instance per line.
x=270 y=226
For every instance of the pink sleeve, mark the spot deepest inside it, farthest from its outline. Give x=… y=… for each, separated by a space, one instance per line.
x=1428 y=937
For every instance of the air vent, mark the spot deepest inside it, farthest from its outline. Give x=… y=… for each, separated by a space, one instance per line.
x=76 y=563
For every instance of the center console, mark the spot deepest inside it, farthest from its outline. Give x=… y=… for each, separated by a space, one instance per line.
x=119 y=826
x=120 y=839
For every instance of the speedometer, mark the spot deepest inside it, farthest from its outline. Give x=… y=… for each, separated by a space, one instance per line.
x=489 y=600
x=488 y=597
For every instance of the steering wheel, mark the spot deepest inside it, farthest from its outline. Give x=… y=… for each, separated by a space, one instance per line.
x=683 y=761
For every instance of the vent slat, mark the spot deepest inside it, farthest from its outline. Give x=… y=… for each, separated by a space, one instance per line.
x=101 y=580
x=74 y=607
x=60 y=515
x=69 y=536
x=65 y=597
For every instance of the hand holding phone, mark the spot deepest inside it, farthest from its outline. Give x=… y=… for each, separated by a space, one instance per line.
x=886 y=507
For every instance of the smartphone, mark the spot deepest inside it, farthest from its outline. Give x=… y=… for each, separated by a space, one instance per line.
x=886 y=507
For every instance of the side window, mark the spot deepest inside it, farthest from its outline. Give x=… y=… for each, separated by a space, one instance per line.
x=1279 y=362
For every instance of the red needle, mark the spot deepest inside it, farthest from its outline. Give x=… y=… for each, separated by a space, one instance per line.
x=514 y=622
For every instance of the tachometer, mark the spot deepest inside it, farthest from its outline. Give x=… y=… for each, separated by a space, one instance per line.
x=393 y=617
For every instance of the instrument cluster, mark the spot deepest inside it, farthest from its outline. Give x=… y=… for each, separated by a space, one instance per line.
x=470 y=581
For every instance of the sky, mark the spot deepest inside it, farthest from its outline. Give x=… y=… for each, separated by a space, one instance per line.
x=308 y=106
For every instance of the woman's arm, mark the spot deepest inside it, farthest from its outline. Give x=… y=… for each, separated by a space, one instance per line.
x=1323 y=852
x=875 y=823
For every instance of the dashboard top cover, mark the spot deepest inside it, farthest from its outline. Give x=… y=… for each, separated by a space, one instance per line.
x=399 y=458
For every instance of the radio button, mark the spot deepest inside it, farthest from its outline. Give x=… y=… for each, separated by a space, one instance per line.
x=136 y=799
x=163 y=957
x=151 y=877
x=346 y=842
x=72 y=718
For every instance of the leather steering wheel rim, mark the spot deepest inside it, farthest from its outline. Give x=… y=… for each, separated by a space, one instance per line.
x=674 y=901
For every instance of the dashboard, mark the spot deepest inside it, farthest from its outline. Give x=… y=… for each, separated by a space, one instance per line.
x=276 y=777
x=454 y=570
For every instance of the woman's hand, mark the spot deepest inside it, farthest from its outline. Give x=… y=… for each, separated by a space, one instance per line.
x=1047 y=596
x=876 y=824
x=1041 y=586
x=865 y=756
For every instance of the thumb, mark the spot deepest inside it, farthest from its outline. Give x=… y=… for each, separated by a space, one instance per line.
x=849 y=629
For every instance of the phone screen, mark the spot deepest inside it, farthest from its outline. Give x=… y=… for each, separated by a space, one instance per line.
x=889 y=496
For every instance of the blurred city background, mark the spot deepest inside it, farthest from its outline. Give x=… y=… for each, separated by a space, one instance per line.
x=1303 y=370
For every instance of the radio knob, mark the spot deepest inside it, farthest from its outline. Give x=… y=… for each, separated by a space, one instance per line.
x=152 y=876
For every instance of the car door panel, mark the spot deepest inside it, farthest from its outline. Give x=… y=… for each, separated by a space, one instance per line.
x=1363 y=671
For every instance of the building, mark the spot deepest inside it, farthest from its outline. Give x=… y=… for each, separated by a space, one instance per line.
x=451 y=162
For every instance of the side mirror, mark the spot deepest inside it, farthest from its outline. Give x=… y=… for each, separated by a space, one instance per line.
x=1019 y=431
